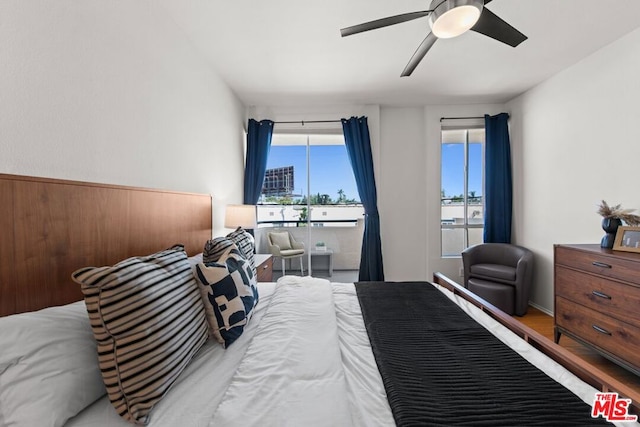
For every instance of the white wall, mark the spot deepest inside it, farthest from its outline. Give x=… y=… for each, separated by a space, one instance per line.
x=113 y=92
x=579 y=140
x=401 y=182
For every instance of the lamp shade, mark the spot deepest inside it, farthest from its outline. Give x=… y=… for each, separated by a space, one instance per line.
x=450 y=18
x=240 y=216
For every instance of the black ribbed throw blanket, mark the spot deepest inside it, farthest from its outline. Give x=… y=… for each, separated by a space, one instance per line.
x=442 y=368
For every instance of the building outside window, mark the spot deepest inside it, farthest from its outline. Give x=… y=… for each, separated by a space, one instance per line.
x=279 y=182
x=462 y=184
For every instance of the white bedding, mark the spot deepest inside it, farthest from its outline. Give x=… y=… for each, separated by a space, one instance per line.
x=292 y=372
x=308 y=365
x=194 y=397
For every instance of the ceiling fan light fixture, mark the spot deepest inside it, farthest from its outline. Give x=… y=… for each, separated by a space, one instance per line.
x=450 y=18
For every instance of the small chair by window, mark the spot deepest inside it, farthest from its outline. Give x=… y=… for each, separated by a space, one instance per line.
x=283 y=245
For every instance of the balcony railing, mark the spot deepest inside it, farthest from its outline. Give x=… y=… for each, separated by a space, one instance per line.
x=314 y=223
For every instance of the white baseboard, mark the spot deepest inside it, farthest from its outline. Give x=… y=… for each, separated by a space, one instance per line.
x=542 y=309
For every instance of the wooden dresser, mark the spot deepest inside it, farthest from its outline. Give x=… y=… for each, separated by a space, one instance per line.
x=597 y=300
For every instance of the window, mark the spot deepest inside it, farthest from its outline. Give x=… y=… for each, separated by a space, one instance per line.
x=309 y=173
x=462 y=180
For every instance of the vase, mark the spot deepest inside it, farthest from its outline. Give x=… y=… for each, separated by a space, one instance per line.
x=610 y=226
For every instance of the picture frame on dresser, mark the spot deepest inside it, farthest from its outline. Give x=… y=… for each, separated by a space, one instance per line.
x=627 y=239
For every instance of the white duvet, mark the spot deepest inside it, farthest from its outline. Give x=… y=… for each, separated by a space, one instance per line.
x=292 y=372
x=304 y=360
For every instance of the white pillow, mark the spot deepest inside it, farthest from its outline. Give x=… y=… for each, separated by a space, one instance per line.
x=48 y=366
x=281 y=239
x=193 y=261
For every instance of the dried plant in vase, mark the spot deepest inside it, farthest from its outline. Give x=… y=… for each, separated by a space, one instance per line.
x=616 y=211
x=612 y=218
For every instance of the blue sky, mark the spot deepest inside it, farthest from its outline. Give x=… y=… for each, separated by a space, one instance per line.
x=330 y=168
x=453 y=169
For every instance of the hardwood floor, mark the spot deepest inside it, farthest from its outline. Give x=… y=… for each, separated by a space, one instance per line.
x=543 y=323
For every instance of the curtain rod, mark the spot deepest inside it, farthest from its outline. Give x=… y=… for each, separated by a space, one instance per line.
x=460 y=118
x=302 y=122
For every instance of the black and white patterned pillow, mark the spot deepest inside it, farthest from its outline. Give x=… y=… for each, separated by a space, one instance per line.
x=246 y=243
x=229 y=292
x=216 y=248
x=148 y=319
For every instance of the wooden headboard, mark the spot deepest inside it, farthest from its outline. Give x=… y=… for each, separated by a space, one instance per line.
x=51 y=227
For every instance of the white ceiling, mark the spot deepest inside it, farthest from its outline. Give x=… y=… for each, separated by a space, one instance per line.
x=289 y=52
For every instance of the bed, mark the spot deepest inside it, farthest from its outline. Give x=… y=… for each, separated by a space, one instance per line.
x=312 y=353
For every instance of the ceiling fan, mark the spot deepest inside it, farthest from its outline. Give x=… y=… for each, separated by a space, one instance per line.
x=448 y=18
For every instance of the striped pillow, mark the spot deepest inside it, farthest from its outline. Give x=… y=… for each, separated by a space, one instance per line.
x=216 y=248
x=148 y=320
x=246 y=243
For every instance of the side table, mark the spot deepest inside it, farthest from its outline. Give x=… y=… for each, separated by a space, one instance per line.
x=327 y=253
x=264 y=267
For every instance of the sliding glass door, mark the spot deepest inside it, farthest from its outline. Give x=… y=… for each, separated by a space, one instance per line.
x=310 y=191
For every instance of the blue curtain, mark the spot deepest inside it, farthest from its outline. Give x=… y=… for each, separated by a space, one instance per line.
x=258 y=144
x=356 y=136
x=498 y=184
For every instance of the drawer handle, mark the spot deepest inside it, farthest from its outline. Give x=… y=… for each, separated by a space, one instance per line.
x=600 y=264
x=601 y=330
x=264 y=267
x=601 y=295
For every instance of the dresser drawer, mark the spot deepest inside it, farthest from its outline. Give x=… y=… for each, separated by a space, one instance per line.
x=615 y=267
x=619 y=300
x=613 y=336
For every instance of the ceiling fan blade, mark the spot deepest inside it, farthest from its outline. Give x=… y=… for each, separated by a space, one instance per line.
x=492 y=26
x=419 y=54
x=384 y=22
